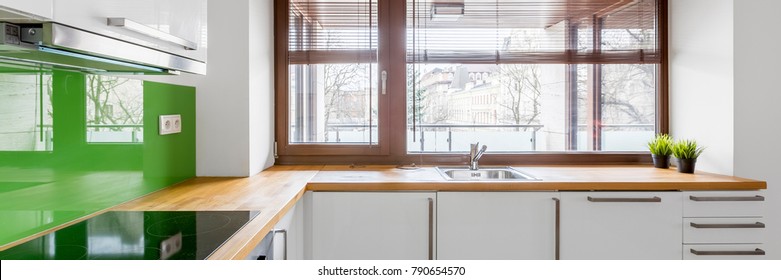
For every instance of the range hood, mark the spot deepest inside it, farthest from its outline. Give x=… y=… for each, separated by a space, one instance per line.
x=56 y=45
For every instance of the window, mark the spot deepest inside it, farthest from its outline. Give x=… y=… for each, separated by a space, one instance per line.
x=26 y=118
x=115 y=110
x=557 y=80
x=557 y=77
x=333 y=78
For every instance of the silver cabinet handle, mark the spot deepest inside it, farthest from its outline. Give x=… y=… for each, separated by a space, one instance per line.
x=430 y=228
x=284 y=235
x=754 y=225
x=727 y=198
x=384 y=77
x=755 y=252
x=151 y=32
x=624 y=199
x=557 y=230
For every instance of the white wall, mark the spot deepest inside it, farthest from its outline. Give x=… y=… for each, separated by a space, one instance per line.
x=261 y=84
x=723 y=55
x=223 y=119
x=701 y=78
x=757 y=100
x=234 y=101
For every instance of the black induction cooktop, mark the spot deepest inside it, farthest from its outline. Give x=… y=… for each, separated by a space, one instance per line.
x=149 y=235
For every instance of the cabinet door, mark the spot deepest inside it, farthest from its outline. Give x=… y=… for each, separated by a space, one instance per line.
x=373 y=225
x=621 y=225
x=39 y=8
x=185 y=19
x=289 y=235
x=496 y=225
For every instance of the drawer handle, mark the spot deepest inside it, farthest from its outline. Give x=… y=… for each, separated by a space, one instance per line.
x=727 y=198
x=624 y=199
x=754 y=225
x=756 y=252
x=151 y=32
x=557 y=233
x=284 y=235
x=430 y=228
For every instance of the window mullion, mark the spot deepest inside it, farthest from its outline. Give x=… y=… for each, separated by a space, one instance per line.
x=571 y=102
x=595 y=78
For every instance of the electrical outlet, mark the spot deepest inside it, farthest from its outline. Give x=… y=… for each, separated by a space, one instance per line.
x=170 y=124
x=171 y=246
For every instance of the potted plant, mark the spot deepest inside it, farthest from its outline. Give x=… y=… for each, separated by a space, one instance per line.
x=661 y=148
x=687 y=152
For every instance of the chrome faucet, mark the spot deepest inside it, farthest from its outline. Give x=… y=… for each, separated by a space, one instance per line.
x=474 y=155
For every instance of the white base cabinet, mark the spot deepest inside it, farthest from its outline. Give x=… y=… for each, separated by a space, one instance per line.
x=496 y=225
x=636 y=225
x=724 y=225
x=286 y=240
x=621 y=225
x=373 y=225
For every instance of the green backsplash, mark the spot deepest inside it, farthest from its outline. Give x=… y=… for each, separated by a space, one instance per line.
x=168 y=159
x=72 y=144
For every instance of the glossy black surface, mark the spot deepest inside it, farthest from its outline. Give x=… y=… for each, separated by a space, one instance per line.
x=151 y=235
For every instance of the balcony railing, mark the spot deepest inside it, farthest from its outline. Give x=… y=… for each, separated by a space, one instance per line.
x=468 y=133
x=505 y=137
x=428 y=134
x=117 y=133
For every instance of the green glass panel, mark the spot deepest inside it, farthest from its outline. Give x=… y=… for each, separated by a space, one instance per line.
x=52 y=173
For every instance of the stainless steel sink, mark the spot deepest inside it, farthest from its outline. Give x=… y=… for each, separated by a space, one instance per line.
x=505 y=173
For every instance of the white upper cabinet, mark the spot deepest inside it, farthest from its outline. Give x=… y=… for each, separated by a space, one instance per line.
x=38 y=8
x=166 y=25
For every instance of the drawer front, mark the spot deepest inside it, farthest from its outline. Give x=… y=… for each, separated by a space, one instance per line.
x=723 y=230
x=724 y=252
x=723 y=204
x=621 y=225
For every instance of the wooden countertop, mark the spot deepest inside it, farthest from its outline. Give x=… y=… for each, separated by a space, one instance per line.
x=554 y=178
x=274 y=191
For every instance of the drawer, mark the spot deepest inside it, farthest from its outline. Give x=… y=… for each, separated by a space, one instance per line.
x=723 y=204
x=723 y=230
x=724 y=252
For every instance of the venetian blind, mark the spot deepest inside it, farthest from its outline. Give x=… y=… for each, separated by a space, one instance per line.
x=328 y=31
x=523 y=31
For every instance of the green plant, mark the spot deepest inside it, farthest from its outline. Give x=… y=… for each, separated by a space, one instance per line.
x=662 y=145
x=687 y=149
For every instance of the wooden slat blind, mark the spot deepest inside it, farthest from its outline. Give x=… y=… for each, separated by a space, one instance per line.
x=327 y=31
x=522 y=31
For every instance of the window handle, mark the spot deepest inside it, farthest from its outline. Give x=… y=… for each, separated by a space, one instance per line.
x=384 y=77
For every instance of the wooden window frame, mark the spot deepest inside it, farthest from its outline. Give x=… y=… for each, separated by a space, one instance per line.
x=392 y=147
